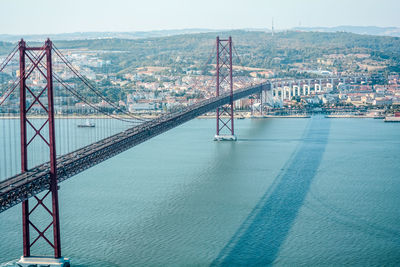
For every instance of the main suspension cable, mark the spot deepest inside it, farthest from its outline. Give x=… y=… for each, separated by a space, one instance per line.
x=8 y=58
x=78 y=95
x=240 y=64
x=17 y=81
x=89 y=85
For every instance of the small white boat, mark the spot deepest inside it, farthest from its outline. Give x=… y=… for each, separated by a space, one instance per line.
x=87 y=124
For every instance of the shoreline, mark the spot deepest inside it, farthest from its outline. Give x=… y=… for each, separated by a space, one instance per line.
x=345 y=116
x=239 y=116
x=392 y=119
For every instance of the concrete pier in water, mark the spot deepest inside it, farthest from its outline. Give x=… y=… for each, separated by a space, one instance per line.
x=43 y=262
x=225 y=138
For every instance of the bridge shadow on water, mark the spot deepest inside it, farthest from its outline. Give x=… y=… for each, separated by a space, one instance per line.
x=259 y=238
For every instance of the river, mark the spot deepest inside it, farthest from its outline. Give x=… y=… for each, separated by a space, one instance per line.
x=289 y=192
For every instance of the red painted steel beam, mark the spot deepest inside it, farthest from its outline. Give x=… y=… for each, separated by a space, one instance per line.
x=217 y=73
x=53 y=155
x=24 y=158
x=231 y=82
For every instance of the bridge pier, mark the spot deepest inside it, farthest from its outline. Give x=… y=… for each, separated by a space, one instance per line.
x=296 y=90
x=288 y=89
x=306 y=89
x=43 y=262
x=317 y=88
x=225 y=118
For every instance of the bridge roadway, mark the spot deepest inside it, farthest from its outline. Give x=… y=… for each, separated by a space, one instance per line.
x=25 y=185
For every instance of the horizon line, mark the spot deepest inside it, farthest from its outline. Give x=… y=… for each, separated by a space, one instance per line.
x=199 y=29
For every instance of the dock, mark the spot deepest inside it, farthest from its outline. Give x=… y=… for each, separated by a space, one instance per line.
x=392 y=119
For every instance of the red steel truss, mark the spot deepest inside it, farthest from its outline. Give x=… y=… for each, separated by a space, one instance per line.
x=43 y=64
x=224 y=81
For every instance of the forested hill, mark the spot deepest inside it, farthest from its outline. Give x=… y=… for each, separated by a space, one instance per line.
x=256 y=49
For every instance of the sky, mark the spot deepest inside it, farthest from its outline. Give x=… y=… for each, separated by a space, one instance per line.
x=55 y=16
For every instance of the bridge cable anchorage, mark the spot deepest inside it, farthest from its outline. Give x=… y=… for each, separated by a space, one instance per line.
x=90 y=86
x=81 y=97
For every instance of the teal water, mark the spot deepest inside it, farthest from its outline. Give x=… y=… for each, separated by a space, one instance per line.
x=68 y=137
x=319 y=192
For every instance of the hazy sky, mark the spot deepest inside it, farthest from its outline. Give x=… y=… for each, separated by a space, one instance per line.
x=54 y=16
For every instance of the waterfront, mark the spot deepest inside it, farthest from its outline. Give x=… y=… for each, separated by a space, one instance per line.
x=292 y=192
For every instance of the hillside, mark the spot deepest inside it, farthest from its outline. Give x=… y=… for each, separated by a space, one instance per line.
x=99 y=35
x=368 y=30
x=285 y=51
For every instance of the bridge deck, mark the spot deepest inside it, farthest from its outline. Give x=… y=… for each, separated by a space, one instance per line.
x=25 y=185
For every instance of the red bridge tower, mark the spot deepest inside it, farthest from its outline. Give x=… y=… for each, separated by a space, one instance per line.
x=225 y=127
x=42 y=63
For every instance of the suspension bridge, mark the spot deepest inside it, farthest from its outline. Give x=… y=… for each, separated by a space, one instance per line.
x=42 y=146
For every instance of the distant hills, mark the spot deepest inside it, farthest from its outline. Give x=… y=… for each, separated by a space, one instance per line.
x=287 y=53
x=368 y=30
x=100 y=35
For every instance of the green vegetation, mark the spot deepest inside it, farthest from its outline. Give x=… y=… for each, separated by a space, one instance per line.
x=284 y=52
x=6 y=48
x=280 y=52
